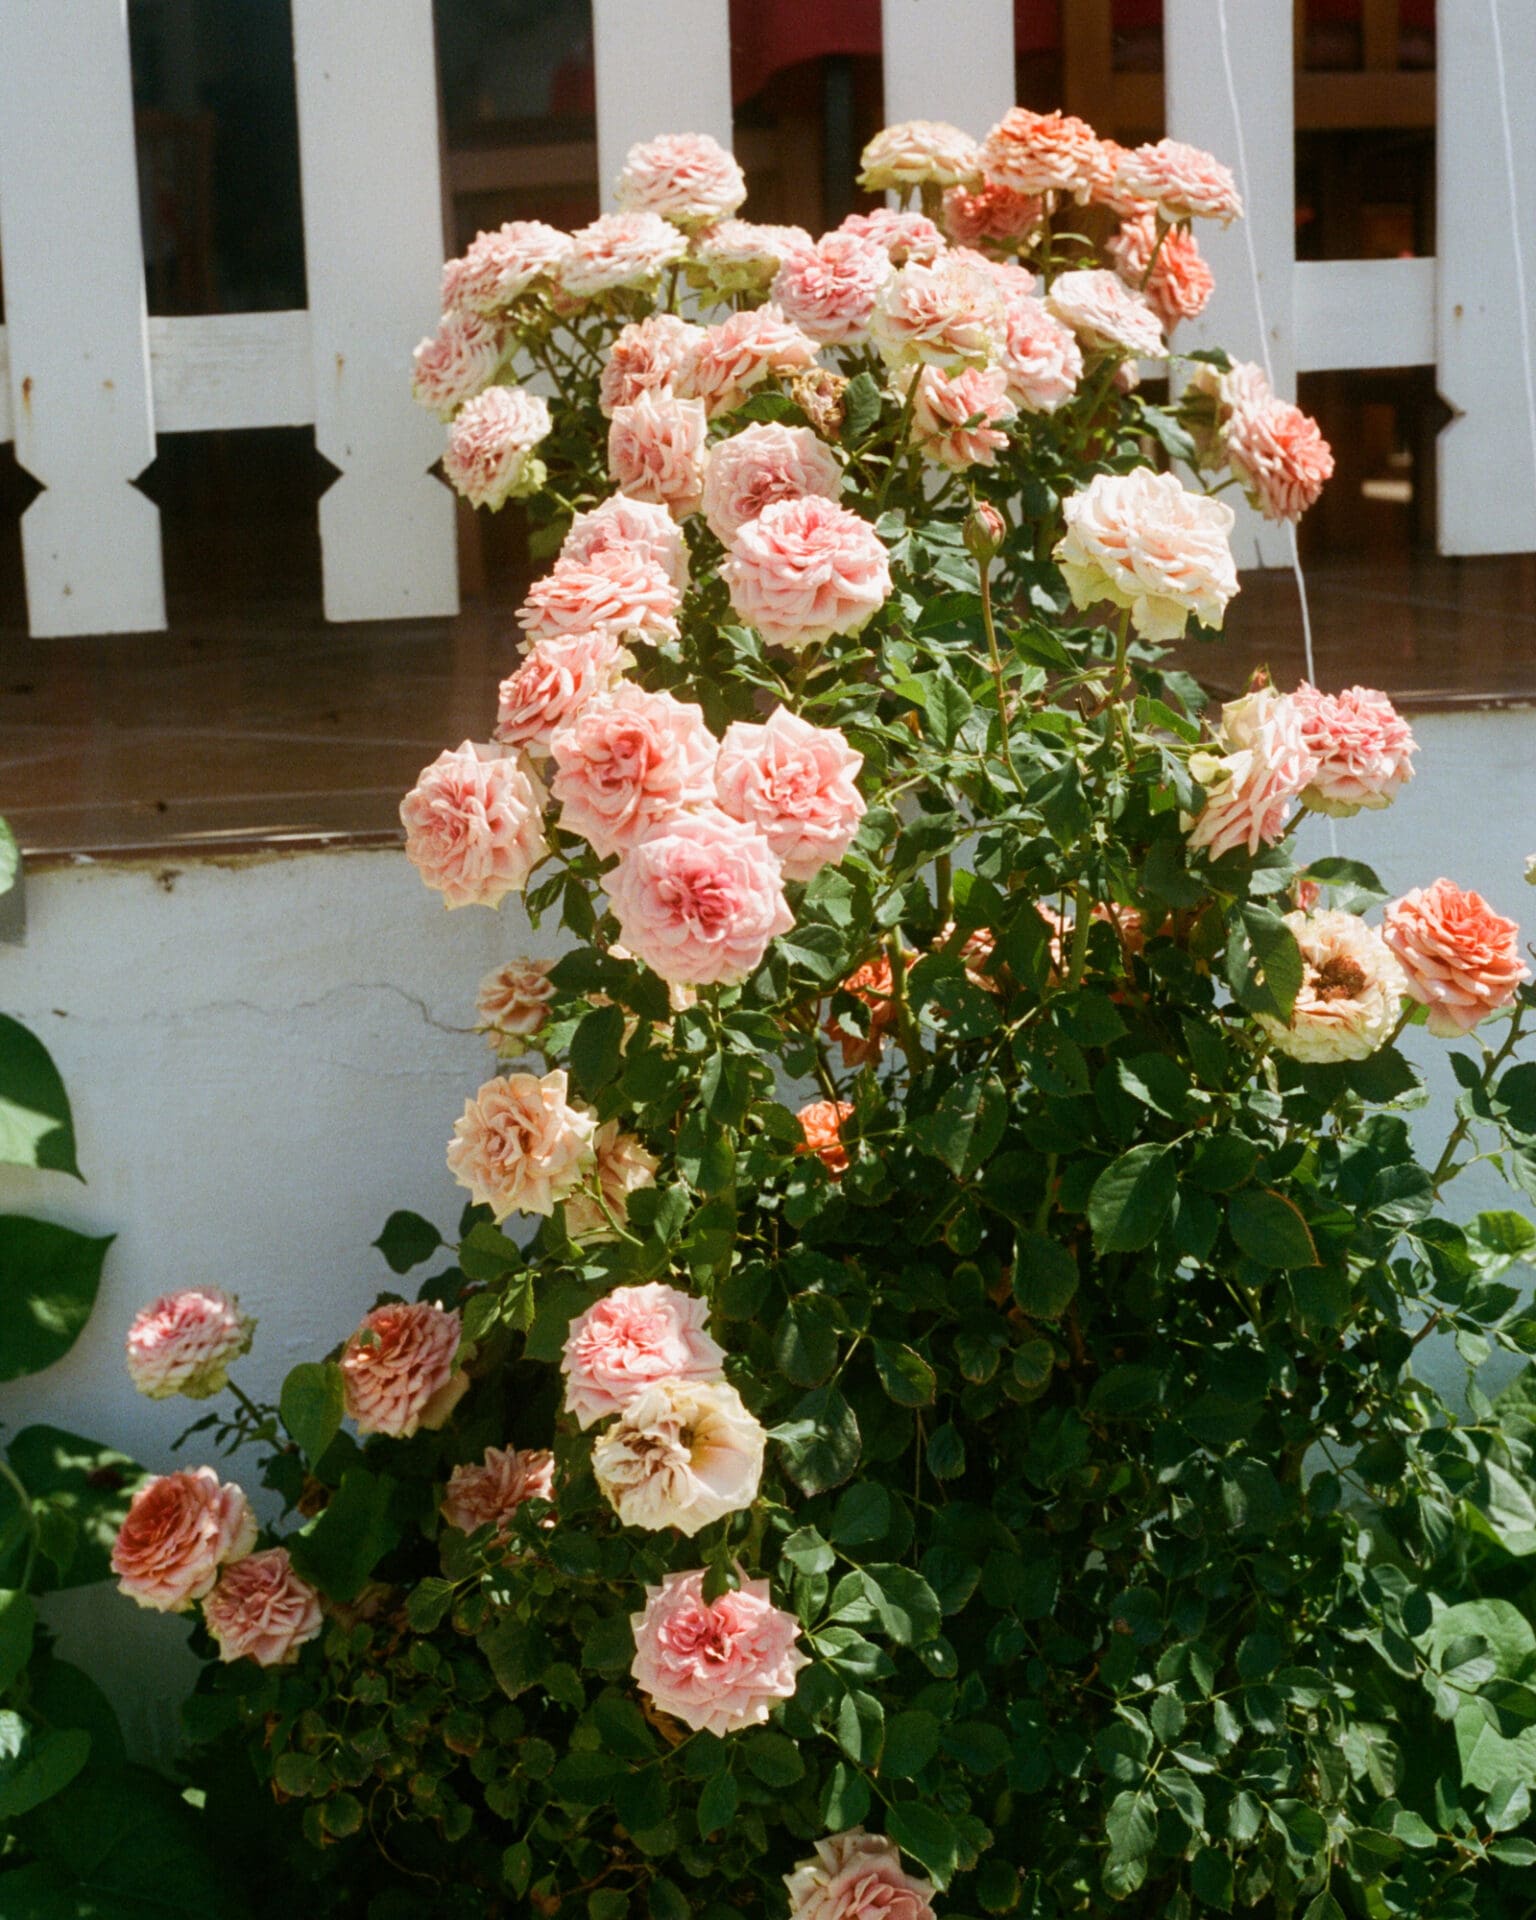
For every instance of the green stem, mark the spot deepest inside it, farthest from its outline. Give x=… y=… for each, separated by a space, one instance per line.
x=906 y=1033
x=899 y=441
x=29 y=1514
x=994 y=654
x=1077 y=953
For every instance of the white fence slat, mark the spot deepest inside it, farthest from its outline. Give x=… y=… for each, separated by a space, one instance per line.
x=5 y=389
x=948 y=60
x=373 y=249
x=662 y=66
x=1487 y=463
x=219 y=371
x=74 y=295
x=1364 y=313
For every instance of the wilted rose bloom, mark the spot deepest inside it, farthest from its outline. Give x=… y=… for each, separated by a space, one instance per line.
x=620 y=250
x=627 y=762
x=656 y=451
x=1143 y=541
x=742 y=256
x=647 y=356
x=641 y=528
x=856 y=1876
x=763 y=463
x=617 y=590
x=498 y=267
x=1182 y=182
x=399 y=1371
x=474 y=825
x=819 y=396
x=829 y=289
x=875 y=985
x=805 y=570
x=687 y=178
x=1000 y=214
x=513 y=1001
x=557 y=678
x=490 y=456
x=456 y=362
x=1039 y=356
x=1364 y=748
x=1044 y=153
x=631 y=1338
x=1351 y=991
x=717 y=1667
x=489 y=1494
x=178 y=1531
x=624 y=1165
x=948 y=315
x=795 y=783
x=1254 y=780
x=1275 y=449
x=919 y=153
x=184 y=1343
x=520 y=1146
x=1461 y=958
x=741 y=353
x=1180 y=283
x=821 y=1128
x=905 y=236
x=957 y=418
x=700 y=901
x=1106 y=314
x=682 y=1454
x=262 y=1610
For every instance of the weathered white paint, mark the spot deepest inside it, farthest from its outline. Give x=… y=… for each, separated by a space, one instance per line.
x=227 y=370
x=661 y=67
x=949 y=62
x=1364 y=313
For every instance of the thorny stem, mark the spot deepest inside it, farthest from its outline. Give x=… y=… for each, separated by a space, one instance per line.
x=1493 y=1061
x=906 y=1035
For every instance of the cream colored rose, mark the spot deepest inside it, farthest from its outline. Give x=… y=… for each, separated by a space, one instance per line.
x=1351 y=991
x=682 y=1453
x=520 y=1146
x=1143 y=541
x=624 y=1165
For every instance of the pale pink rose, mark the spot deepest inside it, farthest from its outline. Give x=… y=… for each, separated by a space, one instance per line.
x=1106 y=315
x=905 y=236
x=1364 y=748
x=498 y=267
x=700 y=901
x=919 y=153
x=399 y=1371
x=683 y=1453
x=184 y=1343
x=489 y=1494
x=948 y=315
x=716 y=1667
x=557 y=678
x=457 y=362
x=1007 y=276
x=1180 y=181
x=1039 y=357
x=474 y=825
x=620 y=250
x=512 y=1003
x=1351 y=991
x=805 y=570
x=1254 y=777
x=821 y=1127
x=1143 y=541
x=261 y=1610
x=829 y=289
x=627 y=762
x=647 y=356
x=617 y=590
x=490 y=457
x=178 y=1531
x=957 y=419
x=1107 y=191
x=624 y=1165
x=656 y=451
x=1002 y=215
x=741 y=256
x=687 y=178
x=1275 y=449
x=631 y=1338
x=741 y=353
x=1462 y=959
x=856 y=1876
x=639 y=527
x=520 y=1146
x=795 y=784
x=1044 y=153
x=1180 y=283
x=763 y=463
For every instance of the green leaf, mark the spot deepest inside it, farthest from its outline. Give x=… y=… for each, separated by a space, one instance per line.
x=928 y=1835
x=429 y=1603
x=844 y=1799
x=907 y=1607
x=820 y=1441
x=597 y=1049
x=1271 y=1229
x=967 y=1124
x=1044 y=1276
x=860 y=1727
x=911 y=1741
x=772 y=1757
x=487 y=1254
x=862 y=1514
x=1263 y=961
x=1131 y=1826
x=83 y=1482
x=45 y=1764
x=340 y=1548
x=313 y=1405
x=18 y=1620
x=906 y=1375
x=1131 y=1198
x=50 y=1278
x=861 y=408
x=1324 y=1907
x=805 y=1342
x=717 y=1803
x=1210 y=1879
x=407 y=1240
x=36 y=1127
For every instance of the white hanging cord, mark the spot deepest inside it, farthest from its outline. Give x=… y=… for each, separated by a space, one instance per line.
x=1521 y=293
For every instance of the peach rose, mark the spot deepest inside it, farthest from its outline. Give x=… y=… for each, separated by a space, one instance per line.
x=474 y=825
x=829 y=289
x=742 y=256
x=948 y=315
x=620 y=250
x=856 y=1876
x=957 y=418
x=617 y=590
x=489 y=1494
x=875 y=985
x=700 y=901
x=763 y=463
x=457 y=362
x=919 y=153
x=1143 y=541
x=1254 y=780
x=641 y=528
x=687 y=178
x=1173 y=276
x=741 y=353
x=490 y=458
x=647 y=356
x=1002 y=215
x=513 y=1002
x=1364 y=748
x=720 y=1666
x=1461 y=958
x=795 y=784
x=821 y=1125
x=630 y=1339
x=1044 y=153
x=627 y=762
x=683 y=1453
x=1276 y=450
x=1039 y=356
x=184 y=1343
x=1107 y=192
x=178 y=1531
x=400 y=1371
x=556 y=680
x=656 y=451
x=261 y=1610
x=520 y=1146
x=1351 y=991
x=497 y=268
x=805 y=570
x=904 y=236
x=1182 y=182
x=624 y=1165
x=1106 y=315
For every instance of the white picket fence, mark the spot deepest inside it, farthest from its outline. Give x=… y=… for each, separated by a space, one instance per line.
x=87 y=381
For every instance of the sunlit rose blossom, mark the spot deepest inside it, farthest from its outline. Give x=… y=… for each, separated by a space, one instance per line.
x=1108 y=192
x=656 y=451
x=1180 y=283
x=262 y=1610
x=512 y=1003
x=1106 y=315
x=919 y=153
x=700 y=901
x=457 y=362
x=1351 y=991
x=763 y=463
x=624 y=1166
x=1043 y=153
x=1254 y=776
x=821 y=1129
x=1461 y=958
x=639 y=527
x=683 y=1454
x=620 y=250
x=487 y=1494
x=627 y=762
x=631 y=1338
x=957 y=419
x=741 y=256
x=975 y=955
x=647 y=356
x=1182 y=182
x=717 y=1667
x=742 y=352
x=856 y=1876
x=1364 y=748
x=178 y=1531
x=1275 y=449
x=1007 y=276
x=805 y=570
x=949 y=315
x=795 y=783
x=905 y=236
x=520 y=1146
x=829 y=289
x=184 y=1343
x=557 y=678
x=400 y=1369
x=490 y=457
x=616 y=590
x=875 y=986
x=688 y=178
x=474 y=825
x=1039 y=356
x=1002 y=215
x=499 y=266
x=1141 y=540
